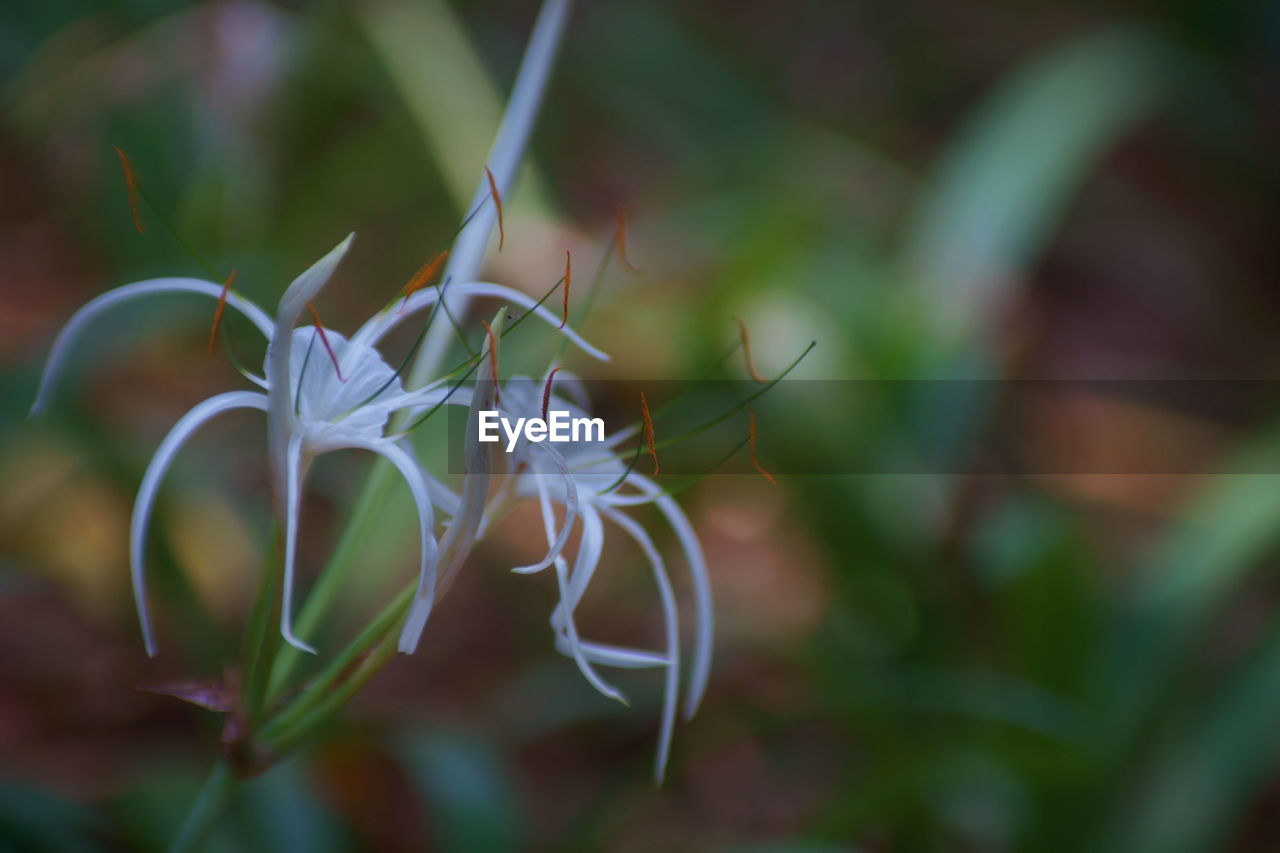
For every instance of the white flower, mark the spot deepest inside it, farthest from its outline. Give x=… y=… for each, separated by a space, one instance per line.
x=593 y=485
x=321 y=392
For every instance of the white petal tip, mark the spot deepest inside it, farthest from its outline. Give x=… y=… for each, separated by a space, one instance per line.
x=530 y=570
x=299 y=645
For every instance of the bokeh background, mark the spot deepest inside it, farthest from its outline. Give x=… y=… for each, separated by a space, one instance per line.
x=973 y=660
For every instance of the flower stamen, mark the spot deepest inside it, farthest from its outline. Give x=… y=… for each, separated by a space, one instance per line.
x=131 y=184
x=751 y=445
x=546 y=391
x=324 y=339
x=493 y=359
x=745 y=334
x=424 y=274
x=620 y=240
x=648 y=432
x=217 y=312
x=497 y=201
x=568 y=277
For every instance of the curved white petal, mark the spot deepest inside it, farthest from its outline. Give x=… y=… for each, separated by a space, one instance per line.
x=151 y=287
x=568 y=626
x=293 y=506
x=156 y=468
x=570 y=511
x=705 y=630
x=590 y=548
x=636 y=532
x=441 y=495
x=621 y=657
x=424 y=597
x=381 y=323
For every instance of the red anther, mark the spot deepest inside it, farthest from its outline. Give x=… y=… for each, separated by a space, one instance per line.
x=746 y=352
x=131 y=184
x=751 y=445
x=546 y=391
x=324 y=339
x=222 y=306
x=497 y=201
x=493 y=360
x=424 y=274
x=648 y=432
x=568 y=277
x=620 y=239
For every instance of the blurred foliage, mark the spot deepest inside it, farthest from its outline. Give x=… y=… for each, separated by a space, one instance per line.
x=976 y=661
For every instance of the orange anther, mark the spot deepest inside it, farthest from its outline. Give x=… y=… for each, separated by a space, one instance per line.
x=425 y=273
x=620 y=239
x=497 y=201
x=648 y=432
x=131 y=184
x=546 y=391
x=568 y=277
x=751 y=445
x=493 y=359
x=746 y=352
x=222 y=306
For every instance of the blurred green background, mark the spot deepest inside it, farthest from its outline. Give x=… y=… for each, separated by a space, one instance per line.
x=978 y=661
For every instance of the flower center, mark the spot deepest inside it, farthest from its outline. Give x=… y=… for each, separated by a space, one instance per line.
x=354 y=403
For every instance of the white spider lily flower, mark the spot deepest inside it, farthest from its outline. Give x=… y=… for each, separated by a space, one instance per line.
x=593 y=484
x=320 y=394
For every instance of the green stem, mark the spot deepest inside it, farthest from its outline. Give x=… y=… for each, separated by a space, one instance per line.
x=207 y=810
x=342 y=672
x=261 y=640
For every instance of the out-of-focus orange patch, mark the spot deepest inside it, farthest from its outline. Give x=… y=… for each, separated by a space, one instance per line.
x=1121 y=453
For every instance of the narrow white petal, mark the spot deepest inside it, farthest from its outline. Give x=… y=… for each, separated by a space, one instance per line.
x=424 y=597
x=621 y=657
x=672 y=630
x=100 y=304
x=441 y=495
x=383 y=322
x=705 y=631
x=293 y=508
x=570 y=511
x=182 y=430
x=569 y=626
x=584 y=565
